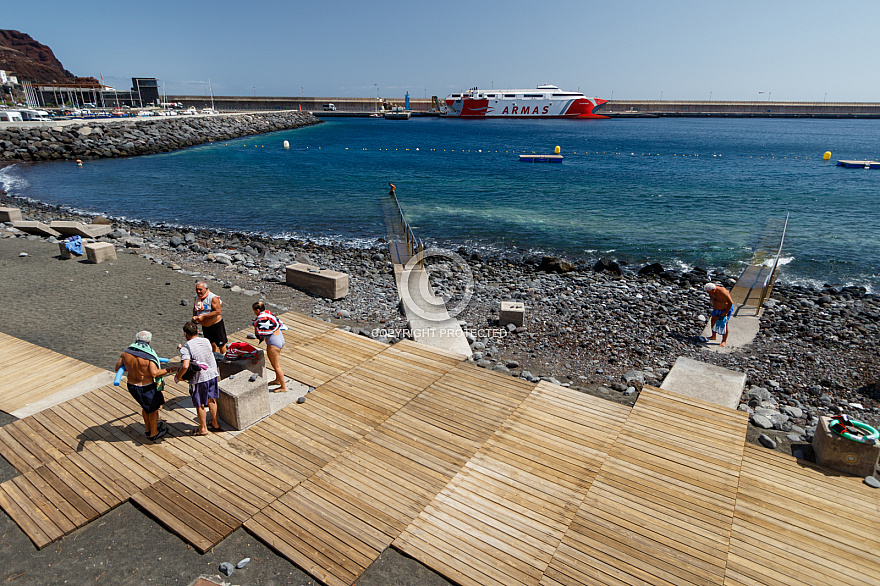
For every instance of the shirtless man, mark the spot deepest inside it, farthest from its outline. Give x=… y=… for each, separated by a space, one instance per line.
x=206 y=311
x=722 y=309
x=142 y=368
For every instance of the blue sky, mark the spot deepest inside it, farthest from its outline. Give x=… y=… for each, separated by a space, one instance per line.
x=637 y=49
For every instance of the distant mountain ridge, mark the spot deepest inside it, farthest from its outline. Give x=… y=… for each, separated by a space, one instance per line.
x=32 y=61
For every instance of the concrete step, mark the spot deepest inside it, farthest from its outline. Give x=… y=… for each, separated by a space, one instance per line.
x=707 y=382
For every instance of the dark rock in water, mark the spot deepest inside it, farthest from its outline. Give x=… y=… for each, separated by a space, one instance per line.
x=606 y=265
x=652 y=269
x=554 y=264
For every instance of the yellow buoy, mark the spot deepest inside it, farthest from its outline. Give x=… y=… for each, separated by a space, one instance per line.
x=286 y=144
x=826 y=156
x=557 y=150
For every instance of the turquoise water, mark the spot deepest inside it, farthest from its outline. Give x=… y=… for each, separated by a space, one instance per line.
x=681 y=192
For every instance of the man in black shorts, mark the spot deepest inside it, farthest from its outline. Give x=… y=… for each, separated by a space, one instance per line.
x=142 y=367
x=206 y=311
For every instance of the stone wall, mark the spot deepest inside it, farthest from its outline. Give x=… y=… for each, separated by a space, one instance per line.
x=124 y=138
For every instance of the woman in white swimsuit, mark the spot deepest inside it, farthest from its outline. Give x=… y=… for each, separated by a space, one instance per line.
x=267 y=328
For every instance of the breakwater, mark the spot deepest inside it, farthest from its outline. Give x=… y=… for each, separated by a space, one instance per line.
x=739 y=109
x=130 y=137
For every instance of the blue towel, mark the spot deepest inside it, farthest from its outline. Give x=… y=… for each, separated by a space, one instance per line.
x=720 y=326
x=74 y=244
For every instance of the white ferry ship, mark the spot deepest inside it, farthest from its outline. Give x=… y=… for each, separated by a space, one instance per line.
x=546 y=101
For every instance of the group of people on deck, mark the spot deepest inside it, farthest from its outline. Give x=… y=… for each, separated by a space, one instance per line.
x=144 y=369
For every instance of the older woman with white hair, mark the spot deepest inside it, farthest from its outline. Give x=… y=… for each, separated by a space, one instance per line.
x=722 y=310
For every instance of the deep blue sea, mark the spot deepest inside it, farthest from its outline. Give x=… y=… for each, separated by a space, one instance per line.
x=682 y=192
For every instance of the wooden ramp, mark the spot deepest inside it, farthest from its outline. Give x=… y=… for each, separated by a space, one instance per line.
x=337 y=522
x=30 y=373
x=84 y=457
x=276 y=454
x=661 y=507
x=796 y=523
x=501 y=518
x=485 y=478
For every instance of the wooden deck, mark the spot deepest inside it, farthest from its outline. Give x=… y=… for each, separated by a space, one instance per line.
x=503 y=515
x=485 y=478
x=29 y=373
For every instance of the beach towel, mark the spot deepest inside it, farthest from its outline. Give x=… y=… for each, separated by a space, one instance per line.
x=145 y=351
x=720 y=326
x=241 y=351
x=74 y=244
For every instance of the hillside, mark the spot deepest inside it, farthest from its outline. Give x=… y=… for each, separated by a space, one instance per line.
x=32 y=61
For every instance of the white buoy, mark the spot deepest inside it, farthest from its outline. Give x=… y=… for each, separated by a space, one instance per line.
x=286 y=144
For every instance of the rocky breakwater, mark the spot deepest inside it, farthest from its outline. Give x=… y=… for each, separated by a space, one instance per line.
x=133 y=136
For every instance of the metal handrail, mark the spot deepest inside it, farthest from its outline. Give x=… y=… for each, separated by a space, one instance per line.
x=414 y=245
x=768 y=286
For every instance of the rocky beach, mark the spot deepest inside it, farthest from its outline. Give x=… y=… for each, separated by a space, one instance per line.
x=599 y=327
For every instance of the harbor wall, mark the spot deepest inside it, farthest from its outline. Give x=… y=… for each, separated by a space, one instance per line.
x=107 y=138
x=618 y=108
x=741 y=109
x=307 y=104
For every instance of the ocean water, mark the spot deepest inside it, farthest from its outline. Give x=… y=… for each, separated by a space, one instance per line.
x=682 y=192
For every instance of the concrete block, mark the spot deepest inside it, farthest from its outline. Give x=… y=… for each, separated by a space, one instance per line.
x=512 y=312
x=10 y=215
x=79 y=229
x=706 y=382
x=65 y=254
x=98 y=252
x=243 y=402
x=37 y=228
x=837 y=452
x=320 y=282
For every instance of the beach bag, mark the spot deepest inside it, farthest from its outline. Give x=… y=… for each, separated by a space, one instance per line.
x=241 y=351
x=191 y=371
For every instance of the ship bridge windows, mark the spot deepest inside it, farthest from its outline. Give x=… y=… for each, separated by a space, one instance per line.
x=533 y=95
x=509 y=95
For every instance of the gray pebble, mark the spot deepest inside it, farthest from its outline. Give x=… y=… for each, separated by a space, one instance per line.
x=767 y=441
x=761 y=421
x=301 y=400
x=242 y=563
x=251 y=337
x=872 y=482
x=227 y=568
x=253 y=377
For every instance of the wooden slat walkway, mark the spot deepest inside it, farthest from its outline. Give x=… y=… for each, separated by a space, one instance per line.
x=84 y=457
x=661 y=508
x=29 y=373
x=796 y=523
x=501 y=518
x=337 y=522
x=271 y=457
x=485 y=478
